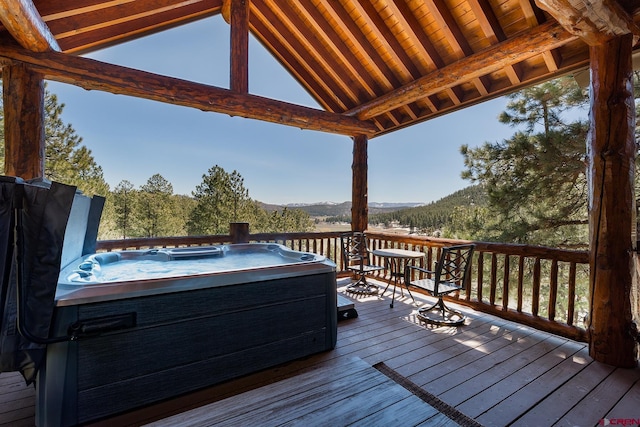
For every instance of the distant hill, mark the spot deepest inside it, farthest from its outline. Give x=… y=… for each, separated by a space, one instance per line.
x=430 y=216
x=436 y=214
x=328 y=209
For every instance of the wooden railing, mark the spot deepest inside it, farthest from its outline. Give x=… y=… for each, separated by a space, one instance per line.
x=545 y=288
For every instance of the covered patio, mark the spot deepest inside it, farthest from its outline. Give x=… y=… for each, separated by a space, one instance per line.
x=374 y=67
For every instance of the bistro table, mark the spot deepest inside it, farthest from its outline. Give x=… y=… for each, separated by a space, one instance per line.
x=396 y=260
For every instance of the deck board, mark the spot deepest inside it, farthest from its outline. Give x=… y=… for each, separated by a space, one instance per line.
x=499 y=372
x=555 y=405
x=338 y=394
x=604 y=396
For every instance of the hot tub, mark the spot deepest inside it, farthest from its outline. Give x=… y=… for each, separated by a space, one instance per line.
x=184 y=319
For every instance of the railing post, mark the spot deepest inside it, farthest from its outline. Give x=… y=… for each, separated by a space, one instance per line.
x=239 y=232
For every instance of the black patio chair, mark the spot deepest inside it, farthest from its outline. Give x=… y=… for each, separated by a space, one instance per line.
x=357 y=257
x=448 y=276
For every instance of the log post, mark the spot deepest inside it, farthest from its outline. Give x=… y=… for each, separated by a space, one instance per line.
x=611 y=150
x=24 y=134
x=239 y=232
x=359 y=190
x=240 y=45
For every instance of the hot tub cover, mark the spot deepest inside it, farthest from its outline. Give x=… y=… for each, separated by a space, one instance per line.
x=33 y=219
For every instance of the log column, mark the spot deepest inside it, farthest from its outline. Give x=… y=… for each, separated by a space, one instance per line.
x=240 y=45
x=611 y=150
x=24 y=134
x=359 y=190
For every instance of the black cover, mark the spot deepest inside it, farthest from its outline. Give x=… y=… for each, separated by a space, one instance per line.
x=33 y=220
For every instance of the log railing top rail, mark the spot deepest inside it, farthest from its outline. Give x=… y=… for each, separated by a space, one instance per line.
x=544 y=252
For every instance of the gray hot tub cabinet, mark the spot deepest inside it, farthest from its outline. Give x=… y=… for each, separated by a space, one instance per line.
x=181 y=342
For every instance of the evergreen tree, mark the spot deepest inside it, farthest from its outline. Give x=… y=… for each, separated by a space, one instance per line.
x=66 y=159
x=156 y=207
x=536 y=180
x=220 y=199
x=124 y=203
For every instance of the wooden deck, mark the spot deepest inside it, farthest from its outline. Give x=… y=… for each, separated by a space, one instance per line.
x=493 y=371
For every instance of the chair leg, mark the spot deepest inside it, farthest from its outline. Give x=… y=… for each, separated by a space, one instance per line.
x=362 y=287
x=440 y=314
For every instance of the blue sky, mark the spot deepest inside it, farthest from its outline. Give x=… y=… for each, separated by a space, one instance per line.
x=133 y=139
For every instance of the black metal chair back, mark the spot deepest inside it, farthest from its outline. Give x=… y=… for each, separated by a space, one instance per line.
x=356 y=256
x=452 y=268
x=450 y=275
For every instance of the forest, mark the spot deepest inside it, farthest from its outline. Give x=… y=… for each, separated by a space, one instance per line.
x=530 y=188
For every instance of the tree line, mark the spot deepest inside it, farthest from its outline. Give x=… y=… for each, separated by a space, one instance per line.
x=152 y=210
x=433 y=217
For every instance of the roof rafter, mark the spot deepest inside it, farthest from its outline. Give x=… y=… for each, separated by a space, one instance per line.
x=415 y=31
x=516 y=49
x=314 y=70
x=323 y=29
x=490 y=27
x=388 y=40
x=348 y=25
x=337 y=76
x=26 y=25
x=120 y=20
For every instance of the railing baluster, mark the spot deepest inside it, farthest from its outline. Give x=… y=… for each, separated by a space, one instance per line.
x=553 y=289
x=520 y=282
x=494 y=279
x=571 y=298
x=480 y=281
x=535 y=294
x=505 y=284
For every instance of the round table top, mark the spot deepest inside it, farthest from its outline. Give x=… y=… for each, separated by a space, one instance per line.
x=397 y=253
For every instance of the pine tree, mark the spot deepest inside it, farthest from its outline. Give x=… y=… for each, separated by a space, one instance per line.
x=156 y=207
x=66 y=159
x=220 y=199
x=536 y=180
x=124 y=203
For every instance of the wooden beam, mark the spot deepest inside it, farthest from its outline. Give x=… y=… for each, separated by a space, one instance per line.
x=360 y=186
x=24 y=23
x=611 y=150
x=526 y=45
x=594 y=21
x=240 y=45
x=95 y=75
x=24 y=134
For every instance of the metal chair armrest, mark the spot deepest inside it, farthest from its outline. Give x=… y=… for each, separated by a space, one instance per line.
x=407 y=272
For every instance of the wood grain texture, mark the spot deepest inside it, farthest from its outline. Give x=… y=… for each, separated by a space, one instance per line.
x=24 y=136
x=611 y=150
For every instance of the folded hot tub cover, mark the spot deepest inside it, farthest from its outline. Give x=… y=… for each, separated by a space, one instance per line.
x=33 y=220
